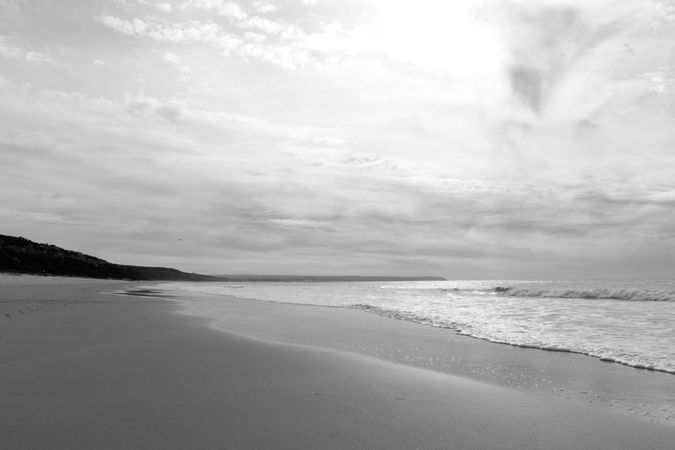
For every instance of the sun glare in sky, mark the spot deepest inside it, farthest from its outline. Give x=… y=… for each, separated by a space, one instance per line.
x=439 y=35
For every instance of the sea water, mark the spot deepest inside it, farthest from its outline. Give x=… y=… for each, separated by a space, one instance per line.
x=628 y=322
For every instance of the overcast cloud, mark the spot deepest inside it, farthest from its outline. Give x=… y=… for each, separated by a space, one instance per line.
x=485 y=139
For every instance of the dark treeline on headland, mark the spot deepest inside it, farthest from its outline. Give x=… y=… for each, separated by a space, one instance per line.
x=20 y=255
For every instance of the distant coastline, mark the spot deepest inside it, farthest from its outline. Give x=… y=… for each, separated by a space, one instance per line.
x=19 y=255
x=327 y=278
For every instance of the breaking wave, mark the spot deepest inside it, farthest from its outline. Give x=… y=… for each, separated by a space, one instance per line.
x=637 y=295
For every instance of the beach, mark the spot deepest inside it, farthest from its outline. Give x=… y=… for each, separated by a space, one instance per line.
x=85 y=367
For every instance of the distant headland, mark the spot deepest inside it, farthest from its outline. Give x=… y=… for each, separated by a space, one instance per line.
x=22 y=256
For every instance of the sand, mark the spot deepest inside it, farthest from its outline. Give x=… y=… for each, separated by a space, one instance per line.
x=81 y=370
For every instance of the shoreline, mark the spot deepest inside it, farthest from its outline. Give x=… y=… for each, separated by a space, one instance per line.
x=524 y=346
x=632 y=333
x=98 y=370
x=564 y=375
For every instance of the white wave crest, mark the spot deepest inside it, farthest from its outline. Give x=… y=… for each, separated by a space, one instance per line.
x=601 y=294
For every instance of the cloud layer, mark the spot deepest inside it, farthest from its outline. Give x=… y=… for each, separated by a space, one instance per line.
x=523 y=141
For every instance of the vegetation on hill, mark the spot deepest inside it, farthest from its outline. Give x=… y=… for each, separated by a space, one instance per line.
x=20 y=255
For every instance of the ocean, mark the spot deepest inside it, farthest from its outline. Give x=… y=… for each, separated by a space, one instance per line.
x=627 y=322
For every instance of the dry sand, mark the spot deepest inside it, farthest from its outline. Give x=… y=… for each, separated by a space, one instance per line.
x=85 y=370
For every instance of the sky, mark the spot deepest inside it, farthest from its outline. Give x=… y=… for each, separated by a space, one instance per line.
x=467 y=139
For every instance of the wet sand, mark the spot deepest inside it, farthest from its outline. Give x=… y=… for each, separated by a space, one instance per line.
x=86 y=370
